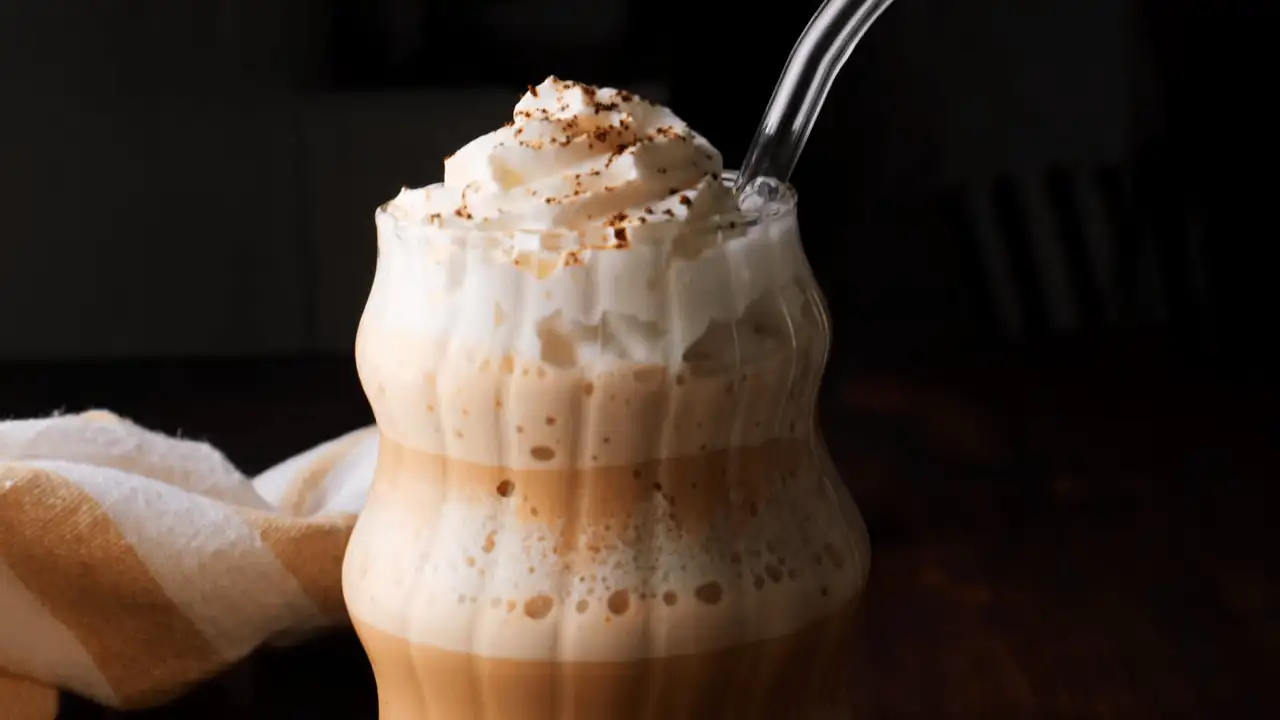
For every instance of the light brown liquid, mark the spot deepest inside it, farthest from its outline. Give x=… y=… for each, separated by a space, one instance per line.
x=798 y=677
x=675 y=651
x=552 y=541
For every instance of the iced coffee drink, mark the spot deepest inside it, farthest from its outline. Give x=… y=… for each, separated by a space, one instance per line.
x=600 y=491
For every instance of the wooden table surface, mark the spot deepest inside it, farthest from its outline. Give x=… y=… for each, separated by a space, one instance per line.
x=1077 y=532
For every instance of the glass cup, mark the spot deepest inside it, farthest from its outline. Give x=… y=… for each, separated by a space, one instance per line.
x=602 y=520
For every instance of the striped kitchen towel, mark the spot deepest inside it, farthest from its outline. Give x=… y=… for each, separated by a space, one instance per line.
x=134 y=564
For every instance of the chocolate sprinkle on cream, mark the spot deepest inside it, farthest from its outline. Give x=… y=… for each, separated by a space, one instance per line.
x=545 y=185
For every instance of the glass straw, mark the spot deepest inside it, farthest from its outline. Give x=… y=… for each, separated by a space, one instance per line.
x=816 y=59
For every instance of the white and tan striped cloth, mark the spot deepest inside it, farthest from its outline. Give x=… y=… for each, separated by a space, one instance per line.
x=134 y=564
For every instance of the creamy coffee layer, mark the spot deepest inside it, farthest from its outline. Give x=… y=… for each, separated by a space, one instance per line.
x=802 y=676
x=668 y=557
x=744 y=383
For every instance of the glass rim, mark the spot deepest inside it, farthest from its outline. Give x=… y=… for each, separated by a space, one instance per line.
x=784 y=204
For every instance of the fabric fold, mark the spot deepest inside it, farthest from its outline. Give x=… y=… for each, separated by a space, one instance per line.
x=134 y=564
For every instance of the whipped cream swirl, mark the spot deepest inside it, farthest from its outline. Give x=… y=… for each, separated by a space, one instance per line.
x=578 y=168
x=595 y=228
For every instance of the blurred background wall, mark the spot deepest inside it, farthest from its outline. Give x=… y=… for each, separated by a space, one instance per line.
x=199 y=178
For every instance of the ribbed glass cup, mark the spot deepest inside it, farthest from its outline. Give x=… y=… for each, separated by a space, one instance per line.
x=617 y=526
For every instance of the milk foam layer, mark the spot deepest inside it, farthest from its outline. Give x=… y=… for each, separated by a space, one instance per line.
x=596 y=227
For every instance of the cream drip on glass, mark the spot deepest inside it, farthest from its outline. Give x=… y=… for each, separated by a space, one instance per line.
x=594 y=379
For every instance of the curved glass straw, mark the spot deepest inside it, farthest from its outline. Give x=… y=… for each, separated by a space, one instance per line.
x=806 y=79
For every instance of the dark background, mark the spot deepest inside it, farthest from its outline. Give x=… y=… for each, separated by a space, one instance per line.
x=1042 y=227
x=199 y=178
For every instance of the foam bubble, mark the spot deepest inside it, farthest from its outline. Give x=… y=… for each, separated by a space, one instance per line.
x=492 y=583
